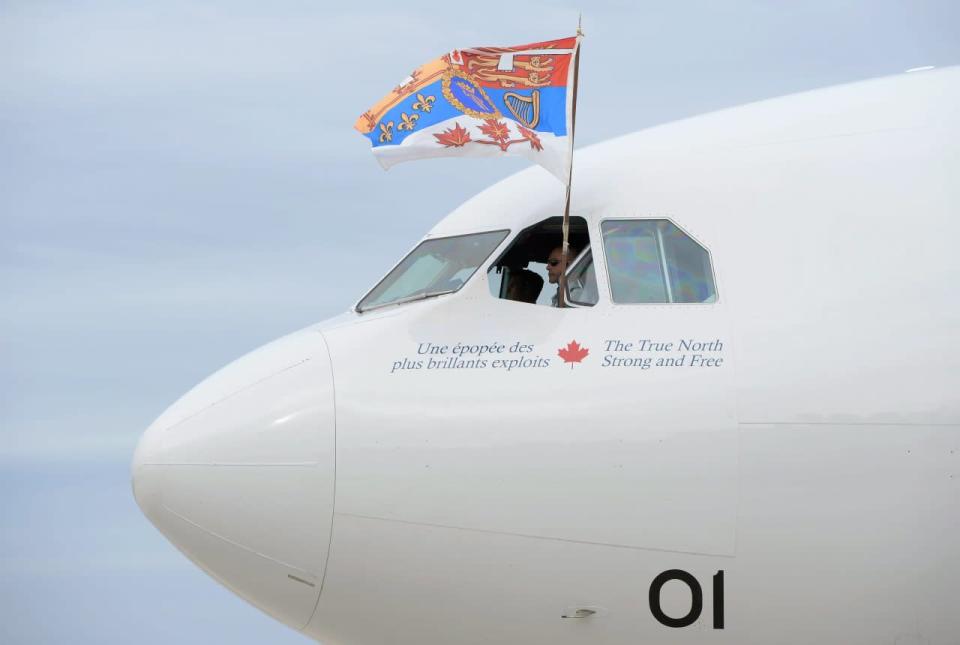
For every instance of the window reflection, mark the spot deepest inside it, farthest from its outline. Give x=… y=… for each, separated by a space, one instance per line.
x=653 y=261
x=434 y=268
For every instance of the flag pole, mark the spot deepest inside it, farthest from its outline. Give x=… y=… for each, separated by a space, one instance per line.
x=564 y=258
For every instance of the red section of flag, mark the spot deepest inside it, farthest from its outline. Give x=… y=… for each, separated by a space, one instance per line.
x=573 y=353
x=528 y=71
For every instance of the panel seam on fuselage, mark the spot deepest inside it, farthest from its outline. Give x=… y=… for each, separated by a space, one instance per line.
x=232 y=542
x=867 y=424
x=534 y=537
x=226 y=464
x=333 y=510
x=235 y=393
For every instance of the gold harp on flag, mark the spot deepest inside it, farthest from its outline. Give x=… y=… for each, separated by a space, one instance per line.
x=525 y=109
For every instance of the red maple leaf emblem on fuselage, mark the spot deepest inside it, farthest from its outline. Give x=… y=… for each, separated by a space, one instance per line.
x=573 y=353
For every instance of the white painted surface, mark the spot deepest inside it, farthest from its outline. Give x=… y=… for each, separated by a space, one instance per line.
x=239 y=475
x=817 y=466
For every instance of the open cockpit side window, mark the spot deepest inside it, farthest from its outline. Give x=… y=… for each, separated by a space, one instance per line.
x=436 y=267
x=654 y=261
x=582 y=281
x=529 y=270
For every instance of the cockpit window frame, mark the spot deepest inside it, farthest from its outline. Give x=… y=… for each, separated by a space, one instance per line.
x=360 y=310
x=575 y=265
x=685 y=231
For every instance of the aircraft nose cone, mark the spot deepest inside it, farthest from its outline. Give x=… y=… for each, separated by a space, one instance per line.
x=239 y=475
x=146 y=481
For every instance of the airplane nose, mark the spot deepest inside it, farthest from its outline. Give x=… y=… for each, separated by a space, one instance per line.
x=239 y=475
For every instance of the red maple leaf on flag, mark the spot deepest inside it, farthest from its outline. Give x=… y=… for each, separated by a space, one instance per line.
x=532 y=137
x=455 y=137
x=573 y=353
x=498 y=131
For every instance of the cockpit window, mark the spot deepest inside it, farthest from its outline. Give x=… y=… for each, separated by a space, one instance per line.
x=653 y=261
x=529 y=269
x=434 y=268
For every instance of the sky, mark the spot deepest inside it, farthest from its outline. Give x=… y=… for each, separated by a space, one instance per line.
x=180 y=183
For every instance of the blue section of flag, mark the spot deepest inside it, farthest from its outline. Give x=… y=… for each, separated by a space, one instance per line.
x=553 y=112
x=553 y=107
x=440 y=110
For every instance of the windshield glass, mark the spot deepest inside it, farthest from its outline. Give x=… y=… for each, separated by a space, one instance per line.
x=434 y=268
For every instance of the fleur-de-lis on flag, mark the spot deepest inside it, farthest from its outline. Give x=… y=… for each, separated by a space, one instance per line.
x=409 y=121
x=386 y=131
x=424 y=103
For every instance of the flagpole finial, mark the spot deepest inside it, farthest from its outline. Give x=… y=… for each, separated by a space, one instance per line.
x=579 y=25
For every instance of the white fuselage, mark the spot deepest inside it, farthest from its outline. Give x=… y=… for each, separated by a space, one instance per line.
x=435 y=472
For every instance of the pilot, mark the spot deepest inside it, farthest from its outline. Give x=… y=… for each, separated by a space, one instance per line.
x=554 y=270
x=524 y=286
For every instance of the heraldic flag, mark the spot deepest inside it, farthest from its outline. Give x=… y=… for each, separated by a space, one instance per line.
x=482 y=102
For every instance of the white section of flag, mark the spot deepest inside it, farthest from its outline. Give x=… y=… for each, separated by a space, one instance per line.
x=422 y=144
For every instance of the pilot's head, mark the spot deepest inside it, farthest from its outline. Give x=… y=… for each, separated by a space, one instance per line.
x=525 y=286
x=553 y=262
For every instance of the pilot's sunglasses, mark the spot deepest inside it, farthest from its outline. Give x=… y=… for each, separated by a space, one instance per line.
x=553 y=263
